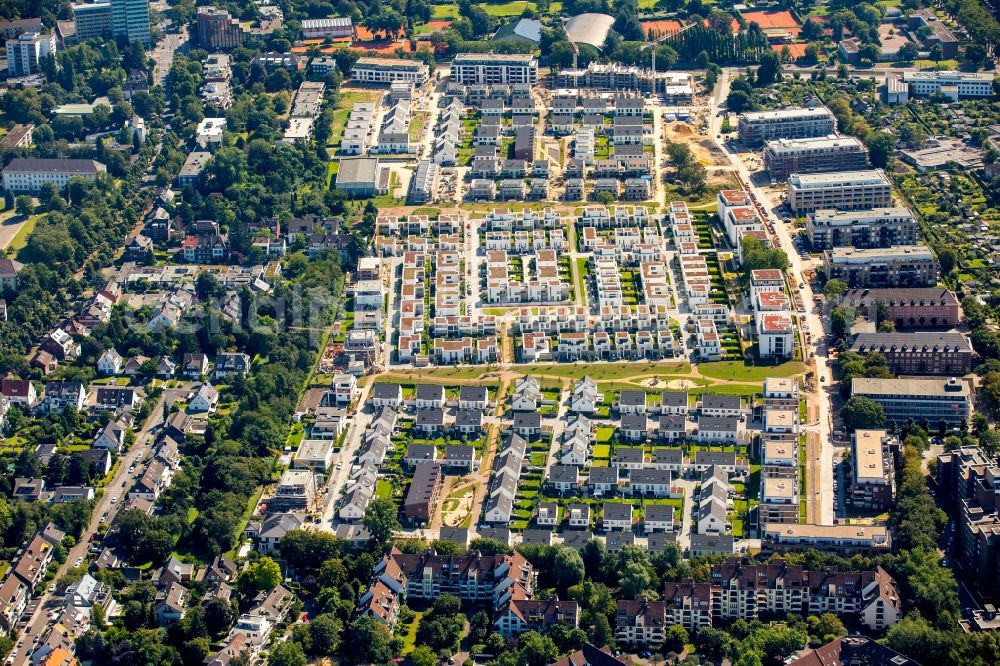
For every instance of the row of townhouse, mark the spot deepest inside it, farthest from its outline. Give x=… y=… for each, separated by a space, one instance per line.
x=449 y=351
x=601 y=217
x=682 y=228
x=538 y=279
x=419 y=225
x=619 y=238
x=412 y=315
x=448 y=133
x=394 y=134
x=523 y=242
x=645 y=474
x=599 y=345
x=502 y=488
x=696 y=283
x=748 y=592
x=357 y=137
x=505 y=219
x=454 y=326
x=376 y=443
x=577 y=441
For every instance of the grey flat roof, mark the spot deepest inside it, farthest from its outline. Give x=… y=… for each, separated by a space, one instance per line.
x=357 y=170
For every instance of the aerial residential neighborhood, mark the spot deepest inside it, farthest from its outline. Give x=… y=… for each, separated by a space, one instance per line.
x=504 y=333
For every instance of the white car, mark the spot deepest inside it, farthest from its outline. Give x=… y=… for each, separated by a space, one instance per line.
x=79 y=561
x=114 y=500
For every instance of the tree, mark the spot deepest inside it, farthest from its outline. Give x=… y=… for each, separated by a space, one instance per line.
x=703 y=60
x=937 y=53
x=381 y=520
x=908 y=51
x=948 y=259
x=676 y=638
x=870 y=53
x=325 y=630
x=264 y=574
x=841 y=320
x=422 y=655
x=568 y=568
x=880 y=148
x=827 y=627
x=738 y=101
x=834 y=288
x=537 y=650
x=218 y=616
x=769 y=71
x=370 y=642
x=974 y=57
x=287 y=654
x=861 y=413
x=24 y=206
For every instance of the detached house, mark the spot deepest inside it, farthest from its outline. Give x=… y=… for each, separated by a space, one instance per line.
x=205 y=400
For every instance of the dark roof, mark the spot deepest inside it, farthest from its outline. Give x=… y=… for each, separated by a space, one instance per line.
x=475 y=393
x=386 y=391
x=674 y=398
x=536 y=536
x=915 y=342
x=617 y=511
x=429 y=392
x=667 y=456
x=853 y=650
x=634 y=422
x=659 y=513
x=433 y=416
x=421 y=451
x=672 y=422
x=630 y=454
x=649 y=475
x=703 y=457
x=460 y=452
x=720 y=401
x=527 y=420
x=54 y=165
x=603 y=475
x=468 y=417
x=577 y=539
x=563 y=474
x=718 y=423
x=632 y=398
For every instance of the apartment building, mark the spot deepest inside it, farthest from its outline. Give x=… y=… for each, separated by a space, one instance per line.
x=26 y=174
x=744 y=591
x=494 y=68
x=390 y=70
x=758 y=127
x=130 y=20
x=675 y=86
x=877 y=227
x=898 y=266
x=906 y=308
x=873 y=476
x=26 y=52
x=931 y=400
x=844 y=190
x=953 y=85
x=919 y=353
x=783 y=157
x=940 y=34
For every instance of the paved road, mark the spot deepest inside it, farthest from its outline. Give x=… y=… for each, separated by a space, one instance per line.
x=109 y=503
x=163 y=54
x=9 y=226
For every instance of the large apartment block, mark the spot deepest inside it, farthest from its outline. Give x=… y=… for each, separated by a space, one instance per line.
x=899 y=266
x=783 y=157
x=92 y=20
x=954 y=85
x=390 y=70
x=907 y=308
x=970 y=480
x=919 y=400
x=844 y=190
x=878 y=227
x=746 y=591
x=494 y=68
x=26 y=52
x=919 y=353
x=844 y=539
x=758 y=127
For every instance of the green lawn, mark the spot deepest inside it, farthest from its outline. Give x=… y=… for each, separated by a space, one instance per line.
x=383 y=489
x=739 y=371
x=582 y=271
x=603 y=435
x=20 y=239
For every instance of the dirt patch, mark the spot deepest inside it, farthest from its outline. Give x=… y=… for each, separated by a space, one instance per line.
x=657 y=383
x=458 y=505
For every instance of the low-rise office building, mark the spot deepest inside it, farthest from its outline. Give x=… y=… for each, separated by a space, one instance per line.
x=25 y=174
x=921 y=400
x=953 y=85
x=843 y=190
